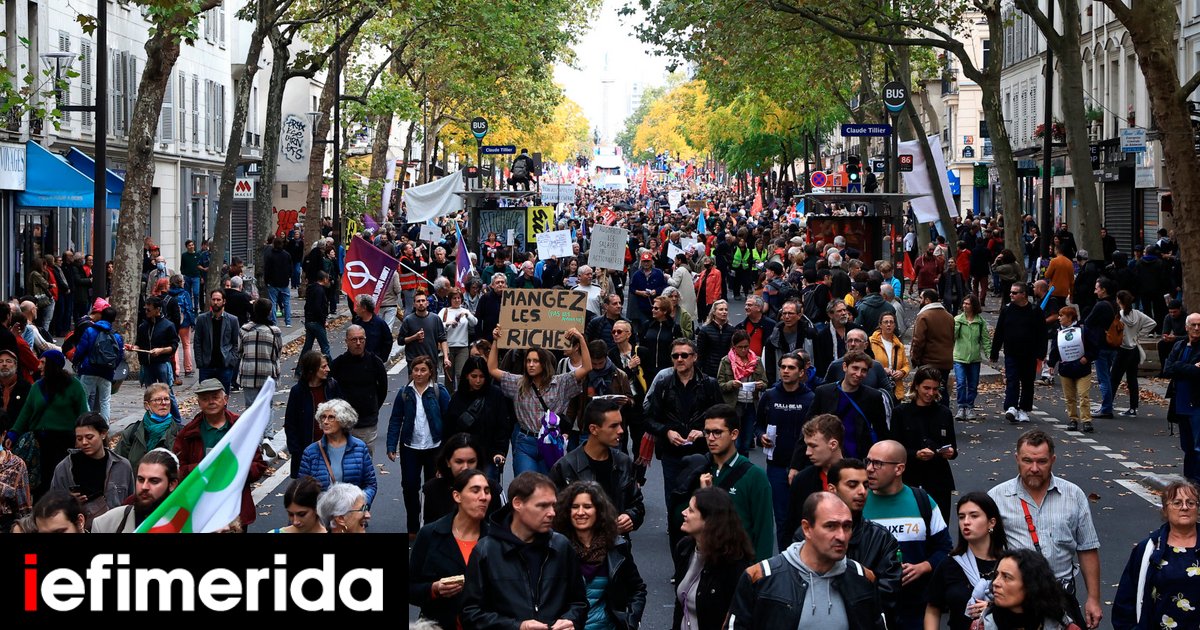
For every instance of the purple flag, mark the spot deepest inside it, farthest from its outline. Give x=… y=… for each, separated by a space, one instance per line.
x=368 y=270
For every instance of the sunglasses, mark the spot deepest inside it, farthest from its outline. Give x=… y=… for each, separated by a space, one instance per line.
x=680 y=355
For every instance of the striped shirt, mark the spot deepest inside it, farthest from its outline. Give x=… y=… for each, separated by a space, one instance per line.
x=260 y=350
x=529 y=409
x=1063 y=522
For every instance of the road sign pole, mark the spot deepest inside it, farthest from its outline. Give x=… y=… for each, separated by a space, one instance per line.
x=479 y=160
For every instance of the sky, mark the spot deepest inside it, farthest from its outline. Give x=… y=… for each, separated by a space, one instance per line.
x=630 y=65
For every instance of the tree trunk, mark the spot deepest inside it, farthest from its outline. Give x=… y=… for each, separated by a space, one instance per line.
x=261 y=220
x=1070 y=76
x=408 y=147
x=1152 y=24
x=316 y=163
x=162 y=50
x=379 y=158
x=233 y=151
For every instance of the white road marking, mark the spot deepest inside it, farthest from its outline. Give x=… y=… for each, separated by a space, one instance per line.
x=399 y=366
x=1101 y=448
x=1133 y=465
x=1141 y=491
x=1115 y=455
x=1087 y=440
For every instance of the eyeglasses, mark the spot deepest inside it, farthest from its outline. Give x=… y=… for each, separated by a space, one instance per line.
x=715 y=432
x=362 y=509
x=158 y=401
x=1179 y=504
x=878 y=463
x=680 y=355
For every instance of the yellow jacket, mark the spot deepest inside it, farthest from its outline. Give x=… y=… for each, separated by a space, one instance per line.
x=898 y=360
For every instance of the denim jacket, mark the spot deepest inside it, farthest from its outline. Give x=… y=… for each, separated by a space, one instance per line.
x=404 y=414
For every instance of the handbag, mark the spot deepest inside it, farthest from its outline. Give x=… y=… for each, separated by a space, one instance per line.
x=550 y=441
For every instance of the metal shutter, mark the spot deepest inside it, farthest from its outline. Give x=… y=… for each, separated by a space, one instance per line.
x=1118 y=214
x=239 y=229
x=1150 y=216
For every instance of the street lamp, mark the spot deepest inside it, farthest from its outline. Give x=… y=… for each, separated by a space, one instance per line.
x=100 y=110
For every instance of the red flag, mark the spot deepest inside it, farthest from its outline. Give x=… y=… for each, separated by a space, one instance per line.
x=757 y=208
x=645 y=191
x=689 y=172
x=910 y=273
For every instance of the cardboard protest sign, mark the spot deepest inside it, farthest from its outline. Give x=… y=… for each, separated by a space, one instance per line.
x=695 y=204
x=431 y=233
x=608 y=247
x=540 y=318
x=541 y=219
x=556 y=244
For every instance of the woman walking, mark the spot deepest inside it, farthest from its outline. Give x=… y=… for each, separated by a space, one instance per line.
x=1072 y=351
x=972 y=342
x=1129 y=355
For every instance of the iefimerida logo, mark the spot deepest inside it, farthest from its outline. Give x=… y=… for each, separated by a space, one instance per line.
x=110 y=584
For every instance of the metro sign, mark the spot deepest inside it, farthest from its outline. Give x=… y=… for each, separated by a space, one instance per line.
x=243 y=188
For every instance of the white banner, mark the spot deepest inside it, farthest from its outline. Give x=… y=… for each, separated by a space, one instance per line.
x=558 y=193
x=435 y=199
x=556 y=243
x=608 y=247
x=1070 y=344
x=917 y=182
x=431 y=233
x=674 y=198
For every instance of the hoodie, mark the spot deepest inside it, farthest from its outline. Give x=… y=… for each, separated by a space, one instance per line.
x=822 y=606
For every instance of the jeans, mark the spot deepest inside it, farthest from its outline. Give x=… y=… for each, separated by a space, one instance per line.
x=1075 y=391
x=781 y=494
x=416 y=467
x=458 y=359
x=163 y=373
x=99 y=393
x=225 y=375
x=192 y=284
x=525 y=455
x=296 y=276
x=1019 y=373
x=966 y=387
x=249 y=394
x=388 y=313
x=1104 y=364
x=749 y=433
x=315 y=331
x=281 y=297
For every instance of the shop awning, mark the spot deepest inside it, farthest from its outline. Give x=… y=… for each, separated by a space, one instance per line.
x=52 y=182
x=86 y=164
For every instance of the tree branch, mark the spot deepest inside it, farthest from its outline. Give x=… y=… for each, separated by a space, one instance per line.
x=1123 y=13
x=1188 y=87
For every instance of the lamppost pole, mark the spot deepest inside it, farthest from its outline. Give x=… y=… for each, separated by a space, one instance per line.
x=100 y=217
x=1048 y=146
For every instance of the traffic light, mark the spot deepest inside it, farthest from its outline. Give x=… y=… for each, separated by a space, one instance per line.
x=853 y=170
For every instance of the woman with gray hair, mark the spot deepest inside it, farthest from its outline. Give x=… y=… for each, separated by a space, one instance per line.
x=343 y=509
x=678 y=313
x=338 y=457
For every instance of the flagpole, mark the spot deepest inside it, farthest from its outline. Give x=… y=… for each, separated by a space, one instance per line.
x=419 y=274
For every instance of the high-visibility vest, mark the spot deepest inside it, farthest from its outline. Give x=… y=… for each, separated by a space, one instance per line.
x=741 y=258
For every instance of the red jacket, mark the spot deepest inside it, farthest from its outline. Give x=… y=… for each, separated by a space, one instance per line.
x=708 y=290
x=28 y=362
x=189 y=446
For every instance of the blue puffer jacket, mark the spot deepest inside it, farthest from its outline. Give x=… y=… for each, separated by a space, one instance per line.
x=86 y=341
x=404 y=414
x=357 y=467
x=187 y=310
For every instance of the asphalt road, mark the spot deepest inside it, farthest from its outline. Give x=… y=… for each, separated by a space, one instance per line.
x=1110 y=466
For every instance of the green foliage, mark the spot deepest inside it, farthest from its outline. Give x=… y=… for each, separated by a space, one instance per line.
x=28 y=94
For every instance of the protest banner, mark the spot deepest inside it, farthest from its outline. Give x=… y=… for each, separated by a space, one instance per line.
x=368 y=270
x=558 y=193
x=431 y=233
x=540 y=318
x=609 y=217
x=554 y=244
x=540 y=219
x=674 y=198
x=608 y=247
x=695 y=204
x=673 y=251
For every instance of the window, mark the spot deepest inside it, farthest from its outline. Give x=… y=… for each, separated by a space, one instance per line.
x=209 y=118
x=166 y=115
x=181 y=105
x=116 y=108
x=220 y=30
x=219 y=140
x=196 y=111
x=987 y=50
x=86 y=83
x=64 y=96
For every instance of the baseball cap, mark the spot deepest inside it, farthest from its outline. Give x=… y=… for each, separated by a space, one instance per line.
x=209 y=385
x=99 y=305
x=647 y=256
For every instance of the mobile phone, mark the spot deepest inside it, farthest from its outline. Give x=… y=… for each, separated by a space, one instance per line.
x=945 y=448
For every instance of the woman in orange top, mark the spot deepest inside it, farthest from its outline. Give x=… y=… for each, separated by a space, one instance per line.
x=442 y=549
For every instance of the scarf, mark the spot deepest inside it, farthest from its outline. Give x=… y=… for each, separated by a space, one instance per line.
x=599 y=381
x=155 y=427
x=593 y=555
x=742 y=369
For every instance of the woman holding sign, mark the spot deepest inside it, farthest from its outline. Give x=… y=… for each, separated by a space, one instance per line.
x=1071 y=353
x=539 y=397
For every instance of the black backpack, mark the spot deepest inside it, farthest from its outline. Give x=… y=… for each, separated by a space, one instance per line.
x=105 y=352
x=519 y=168
x=170 y=309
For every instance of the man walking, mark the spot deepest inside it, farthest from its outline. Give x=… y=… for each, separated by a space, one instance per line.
x=218 y=336
x=424 y=335
x=865 y=416
x=363 y=380
x=277 y=263
x=157 y=341
x=1097 y=323
x=600 y=460
x=379 y=335
x=1021 y=331
x=1050 y=515
x=316 y=312
x=933 y=340
x=97 y=356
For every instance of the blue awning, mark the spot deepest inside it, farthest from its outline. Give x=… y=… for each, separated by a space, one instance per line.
x=86 y=164
x=52 y=182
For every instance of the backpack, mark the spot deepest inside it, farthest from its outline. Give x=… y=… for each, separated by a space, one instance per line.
x=520 y=169
x=170 y=308
x=1116 y=332
x=812 y=310
x=105 y=353
x=924 y=504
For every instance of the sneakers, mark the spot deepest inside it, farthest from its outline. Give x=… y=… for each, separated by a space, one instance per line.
x=961 y=415
x=971 y=415
x=1046 y=380
x=1022 y=416
x=1102 y=416
x=1073 y=425
x=1129 y=413
x=1088 y=428
x=1012 y=415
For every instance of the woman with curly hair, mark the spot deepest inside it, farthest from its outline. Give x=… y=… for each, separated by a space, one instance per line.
x=709 y=561
x=1026 y=595
x=616 y=592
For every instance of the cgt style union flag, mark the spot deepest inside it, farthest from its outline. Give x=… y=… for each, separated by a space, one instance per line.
x=210 y=497
x=368 y=270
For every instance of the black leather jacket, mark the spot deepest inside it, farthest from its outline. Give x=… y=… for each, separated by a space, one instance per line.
x=873 y=546
x=435 y=555
x=671 y=406
x=775 y=599
x=714 y=590
x=625 y=594
x=500 y=592
x=574 y=466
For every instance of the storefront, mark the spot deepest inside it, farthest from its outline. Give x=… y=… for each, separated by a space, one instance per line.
x=12 y=180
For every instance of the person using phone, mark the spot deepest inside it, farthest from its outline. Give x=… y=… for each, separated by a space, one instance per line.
x=926 y=429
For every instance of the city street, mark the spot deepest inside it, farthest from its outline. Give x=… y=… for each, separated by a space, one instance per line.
x=1113 y=466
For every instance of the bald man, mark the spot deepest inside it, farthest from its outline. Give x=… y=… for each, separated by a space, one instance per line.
x=913 y=519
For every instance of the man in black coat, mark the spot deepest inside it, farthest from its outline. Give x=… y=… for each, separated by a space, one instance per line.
x=864 y=411
x=363 y=380
x=237 y=301
x=278 y=272
x=316 y=311
x=1021 y=331
x=600 y=460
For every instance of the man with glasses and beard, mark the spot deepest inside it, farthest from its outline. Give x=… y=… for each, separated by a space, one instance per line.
x=856 y=341
x=157 y=476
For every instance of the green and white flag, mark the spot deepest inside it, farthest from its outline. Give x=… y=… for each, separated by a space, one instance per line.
x=210 y=497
